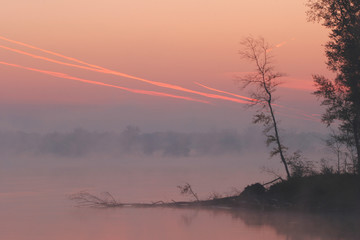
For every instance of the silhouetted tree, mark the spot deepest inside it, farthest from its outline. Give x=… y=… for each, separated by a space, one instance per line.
x=264 y=80
x=341 y=96
x=336 y=146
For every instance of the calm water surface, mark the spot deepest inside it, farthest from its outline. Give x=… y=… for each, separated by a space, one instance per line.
x=34 y=205
x=32 y=217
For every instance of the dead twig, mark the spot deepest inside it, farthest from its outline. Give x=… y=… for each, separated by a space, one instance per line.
x=85 y=199
x=186 y=189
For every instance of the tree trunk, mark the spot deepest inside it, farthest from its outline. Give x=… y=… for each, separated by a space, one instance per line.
x=357 y=144
x=283 y=160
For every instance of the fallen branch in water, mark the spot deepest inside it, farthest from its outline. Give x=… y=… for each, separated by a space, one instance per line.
x=106 y=200
x=282 y=194
x=85 y=199
x=248 y=198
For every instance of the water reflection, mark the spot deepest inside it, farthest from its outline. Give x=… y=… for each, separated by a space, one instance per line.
x=297 y=226
x=33 y=205
x=43 y=219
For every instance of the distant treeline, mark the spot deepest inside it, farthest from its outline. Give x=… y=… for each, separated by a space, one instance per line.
x=81 y=142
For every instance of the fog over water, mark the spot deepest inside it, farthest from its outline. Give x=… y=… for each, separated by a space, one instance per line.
x=141 y=166
x=81 y=142
x=42 y=163
x=139 y=141
x=39 y=170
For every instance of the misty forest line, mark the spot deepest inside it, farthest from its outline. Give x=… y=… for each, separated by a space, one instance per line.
x=81 y=142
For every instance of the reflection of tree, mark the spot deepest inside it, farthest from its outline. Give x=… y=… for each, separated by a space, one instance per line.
x=188 y=218
x=290 y=225
x=299 y=226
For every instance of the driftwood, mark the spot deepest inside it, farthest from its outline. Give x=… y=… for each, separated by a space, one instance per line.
x=252 y=197
x=277 y=179
x=85 y=199
x=106 y=200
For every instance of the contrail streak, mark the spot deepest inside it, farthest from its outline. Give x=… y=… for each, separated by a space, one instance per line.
x=298 y=117
x=66 y=76
x=299 y=112
x=280 y=45
x=50 y=59
x=108 y=71
x=49 y=52
x=232 y=94
x=95 y=68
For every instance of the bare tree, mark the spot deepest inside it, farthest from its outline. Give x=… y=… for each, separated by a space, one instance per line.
x=186 y=189
x=264 y=81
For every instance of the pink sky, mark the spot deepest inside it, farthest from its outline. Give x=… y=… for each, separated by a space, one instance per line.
x=152 y=54
x=170 y=42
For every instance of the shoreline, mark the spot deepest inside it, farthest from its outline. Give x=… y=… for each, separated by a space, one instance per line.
x=331 y=193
